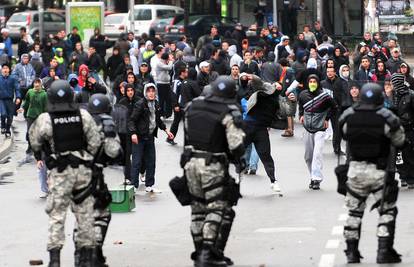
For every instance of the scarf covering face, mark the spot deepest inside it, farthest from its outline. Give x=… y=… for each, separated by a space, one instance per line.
x=398 y=82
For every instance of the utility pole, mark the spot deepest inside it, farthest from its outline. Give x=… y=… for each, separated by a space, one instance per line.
x=41 y=25
x=132 y=16
x=275 y=22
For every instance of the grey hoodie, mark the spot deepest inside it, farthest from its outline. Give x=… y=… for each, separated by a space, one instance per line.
x=151 y=106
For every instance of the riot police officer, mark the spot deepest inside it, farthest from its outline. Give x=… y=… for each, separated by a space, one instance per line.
x=213 y=137
x=371 y=131
x=100 y=107
x=70 y=138
x=404 y=108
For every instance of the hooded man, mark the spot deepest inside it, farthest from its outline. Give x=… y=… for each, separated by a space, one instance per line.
x=315 y=107
x=25 y=74
x=143 y=125
x=83 y=75
x=74 y=83
x=235 y=59
x=404 y=109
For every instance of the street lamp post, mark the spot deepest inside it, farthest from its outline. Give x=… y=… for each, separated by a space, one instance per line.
x=131 y=16
x=41 y=25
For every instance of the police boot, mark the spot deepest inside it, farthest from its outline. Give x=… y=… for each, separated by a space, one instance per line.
x=54 y=257
x=352 y=252
x=86 y=257
x=386 y=253
x=198 y=246
x=208 y=257
x=99 y=258
x=77 y=257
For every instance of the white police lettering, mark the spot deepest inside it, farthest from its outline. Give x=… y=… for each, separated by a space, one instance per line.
x=66 y=120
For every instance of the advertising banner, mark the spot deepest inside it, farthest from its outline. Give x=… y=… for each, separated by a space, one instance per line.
x=395 y=16
x=86 y=16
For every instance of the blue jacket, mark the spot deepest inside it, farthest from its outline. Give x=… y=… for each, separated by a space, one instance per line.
x=25 y=74
x=8 y=44
x=9 y=87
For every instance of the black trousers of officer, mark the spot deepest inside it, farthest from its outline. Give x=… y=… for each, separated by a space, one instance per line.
x=259 y=136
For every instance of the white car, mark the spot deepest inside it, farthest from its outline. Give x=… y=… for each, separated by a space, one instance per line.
x=145 y=15
x=115 y=24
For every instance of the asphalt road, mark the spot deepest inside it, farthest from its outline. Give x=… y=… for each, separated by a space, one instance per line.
x=303 y=228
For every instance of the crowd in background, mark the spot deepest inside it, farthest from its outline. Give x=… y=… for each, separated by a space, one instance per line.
x=179 y=70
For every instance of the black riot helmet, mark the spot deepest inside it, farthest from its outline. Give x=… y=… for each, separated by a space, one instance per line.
x=98 y=104
x=223 y=89
x=372 y=96
x=60 y=97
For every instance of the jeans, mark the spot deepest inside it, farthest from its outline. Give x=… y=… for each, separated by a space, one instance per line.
x=144 y=148
x=252 y=158
x=42 y=172
x=7 y=108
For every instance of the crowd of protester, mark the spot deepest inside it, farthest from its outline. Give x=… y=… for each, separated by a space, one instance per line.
x=150 y=76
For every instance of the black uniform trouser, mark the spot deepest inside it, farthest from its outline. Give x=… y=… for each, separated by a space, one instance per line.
x=176 y=122
x=259 y=136
x=164 y=93
x=336 y=140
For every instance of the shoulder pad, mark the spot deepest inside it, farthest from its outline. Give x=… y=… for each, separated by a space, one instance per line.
x=349 y=111
x=235 y=112
x=392 y=120
x=108 y=125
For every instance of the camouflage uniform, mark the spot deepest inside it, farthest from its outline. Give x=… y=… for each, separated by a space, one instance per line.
x=61 y=184
x=205 y=182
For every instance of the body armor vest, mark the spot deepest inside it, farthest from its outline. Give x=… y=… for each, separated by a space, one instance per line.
x=68 y=131
x=204 y=128
x=366 y=138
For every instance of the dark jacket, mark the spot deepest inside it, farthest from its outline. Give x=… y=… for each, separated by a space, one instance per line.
x=95 y=63
x=88 y=91
x=113 y=62
x=204 y=79
x=362 y=77
x=139 y=120
x=252 y=68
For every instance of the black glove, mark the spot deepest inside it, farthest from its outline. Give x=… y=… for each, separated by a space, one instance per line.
x=240 y=165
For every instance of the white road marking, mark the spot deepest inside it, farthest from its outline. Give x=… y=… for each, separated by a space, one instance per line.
x=337 y=230
x=285 y=230
x=343 y=217
x=332 y=244
x=327 y=260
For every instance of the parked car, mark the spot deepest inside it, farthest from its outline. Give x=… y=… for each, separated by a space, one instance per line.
x=198 y=25
x=144 y=15
x=115 y=24
x=5 y=12
x=53 y=23
x=160 y=25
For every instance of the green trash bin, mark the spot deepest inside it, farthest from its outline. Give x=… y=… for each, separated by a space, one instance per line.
x=123 y=198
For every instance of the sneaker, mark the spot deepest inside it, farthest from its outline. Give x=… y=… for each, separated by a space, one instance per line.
x=3 y=130
x=151 y=189
x=171 y=142
x=246 y=171
x=7 y=134
x=311 y=184
x=142 y=177
x=276 y=188
x=403 y=183
x=316 y=185
x=43 y=195
x=252 y=172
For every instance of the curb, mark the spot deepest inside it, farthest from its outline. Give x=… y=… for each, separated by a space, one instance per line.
x=6 y=146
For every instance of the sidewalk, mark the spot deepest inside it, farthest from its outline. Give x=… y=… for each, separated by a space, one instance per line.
x=6 y=145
